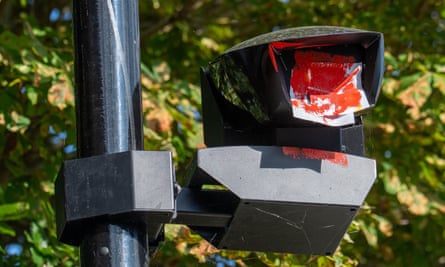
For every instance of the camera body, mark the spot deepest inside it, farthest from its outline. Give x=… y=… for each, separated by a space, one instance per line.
x=297 y=82
x=284 y=136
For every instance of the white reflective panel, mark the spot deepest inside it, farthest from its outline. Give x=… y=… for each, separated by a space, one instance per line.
x=326 y=88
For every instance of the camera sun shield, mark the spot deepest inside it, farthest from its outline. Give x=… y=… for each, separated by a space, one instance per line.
x=300 y=76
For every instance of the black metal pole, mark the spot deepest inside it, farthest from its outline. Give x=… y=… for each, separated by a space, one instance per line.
x=108 y=102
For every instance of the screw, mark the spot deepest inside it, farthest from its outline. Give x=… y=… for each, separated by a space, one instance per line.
x=104 y=251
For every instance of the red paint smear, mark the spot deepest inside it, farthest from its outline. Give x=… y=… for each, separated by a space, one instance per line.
x=310 y=153
x=275 y=46
x=320 y=82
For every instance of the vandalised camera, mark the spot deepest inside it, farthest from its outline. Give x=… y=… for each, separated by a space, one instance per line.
x=284 y=168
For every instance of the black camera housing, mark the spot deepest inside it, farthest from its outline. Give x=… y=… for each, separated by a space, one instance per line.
x=283 y=183
x=245 y=96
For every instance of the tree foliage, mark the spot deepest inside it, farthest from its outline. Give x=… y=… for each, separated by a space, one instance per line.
x=401 y=223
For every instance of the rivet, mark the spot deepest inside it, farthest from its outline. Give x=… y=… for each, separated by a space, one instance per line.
x=104 y=251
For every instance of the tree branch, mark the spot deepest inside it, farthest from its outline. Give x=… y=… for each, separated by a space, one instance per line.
x=149 y=28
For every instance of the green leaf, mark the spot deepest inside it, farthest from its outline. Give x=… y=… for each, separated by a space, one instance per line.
x=36 y=257
x=407 y=81
x=6 y=230
x=370 y=233
x=17 y=122
x=24 y=69
x=325 y=262
x=392 y=182
x=13 y=211
x=32 y=95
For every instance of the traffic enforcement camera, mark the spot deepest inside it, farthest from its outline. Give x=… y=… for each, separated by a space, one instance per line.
x=284 y=168
x=284 y=135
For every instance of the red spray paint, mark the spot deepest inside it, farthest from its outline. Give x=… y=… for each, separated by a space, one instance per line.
x=310 y=153
x=324 y=87
x=325 y=84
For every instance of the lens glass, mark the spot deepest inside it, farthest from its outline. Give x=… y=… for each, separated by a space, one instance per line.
x=324 y=82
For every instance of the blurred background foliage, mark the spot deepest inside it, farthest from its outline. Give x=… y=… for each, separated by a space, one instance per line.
x=403 y=220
